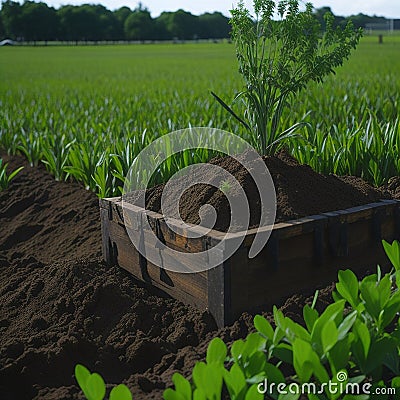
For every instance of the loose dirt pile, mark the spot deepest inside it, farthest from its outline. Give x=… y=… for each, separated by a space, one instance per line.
x=393 y=187
x=61 y=305
x=300 y=192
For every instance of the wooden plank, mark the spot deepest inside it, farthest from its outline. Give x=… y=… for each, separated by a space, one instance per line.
x=189 y=288
x=301 y=255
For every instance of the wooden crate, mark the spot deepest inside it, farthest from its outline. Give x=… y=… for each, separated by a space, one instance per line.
x=300 y=256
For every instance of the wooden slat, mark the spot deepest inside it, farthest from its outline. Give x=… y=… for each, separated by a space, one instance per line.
x=189 y=288
x=301 y=255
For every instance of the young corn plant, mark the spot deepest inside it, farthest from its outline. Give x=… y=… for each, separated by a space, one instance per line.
x=55 y=155
x=6 y=178
x=82 y=162
x=277 y=59
x=31 y=145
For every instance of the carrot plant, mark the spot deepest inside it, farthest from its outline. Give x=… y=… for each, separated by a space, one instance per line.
x=278 y=58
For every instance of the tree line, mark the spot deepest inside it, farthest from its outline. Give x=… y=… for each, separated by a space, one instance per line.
x=32 y=21
x=36 y=21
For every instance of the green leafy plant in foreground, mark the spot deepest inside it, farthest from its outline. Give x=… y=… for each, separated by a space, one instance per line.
x=355 y=340
x=6 y=178
x=277 y=59
x=94 y=388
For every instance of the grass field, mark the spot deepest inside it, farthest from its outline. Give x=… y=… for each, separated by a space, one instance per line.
x=90 y=102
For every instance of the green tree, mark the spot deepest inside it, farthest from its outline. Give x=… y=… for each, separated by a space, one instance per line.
x=161 y=26
x=38 y=21
x=360 y=20
x=79 y=23
x=11 y=17
x=320 y=15
x=2 y=29
x=214 y=26
x=184 y=25
x=139 y=25
x=105 y=23
x=120 y=16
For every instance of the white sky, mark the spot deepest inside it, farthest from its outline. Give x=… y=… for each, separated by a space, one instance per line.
x=386 y=8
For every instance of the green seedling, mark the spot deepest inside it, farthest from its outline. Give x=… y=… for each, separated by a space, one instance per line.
x=6 y=178
x=94 y=388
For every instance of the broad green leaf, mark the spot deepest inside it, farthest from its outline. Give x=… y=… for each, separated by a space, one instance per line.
x=391 y=309
x=346 y=325
x=235 y=381
x=329 y=336
x=253 y=343
x=199 y=395
x=379 y=350
x=121 y=392
x=302 y=355
x=279 y=319
x=214 y=381
x=371 y=299
x=306 y=362
x=279 y=334
x=310 y=316
x=294 y=330
x=339 y=355
x=334 y=312
x=182 y=386
x=237 y=349
x=283 y=352
x=348 y=287
x=263 y=326
x=363 y=337
x=96 y=387
x=170 y=394
x=254 y=394
x=216 y=352
x=273 y=373
x=82 y=375
x=208 y=378
x=376 y=296
x=397 y=275
x=396 y=382
x=393 y=253
x=198 y=374
x=255 y=364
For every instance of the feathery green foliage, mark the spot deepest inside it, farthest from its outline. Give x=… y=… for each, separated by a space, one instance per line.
x=278 y=58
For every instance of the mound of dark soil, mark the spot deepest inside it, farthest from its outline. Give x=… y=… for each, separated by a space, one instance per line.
x=393 y=187
x=46 y=219
x=61 y=305
x=300 y=192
